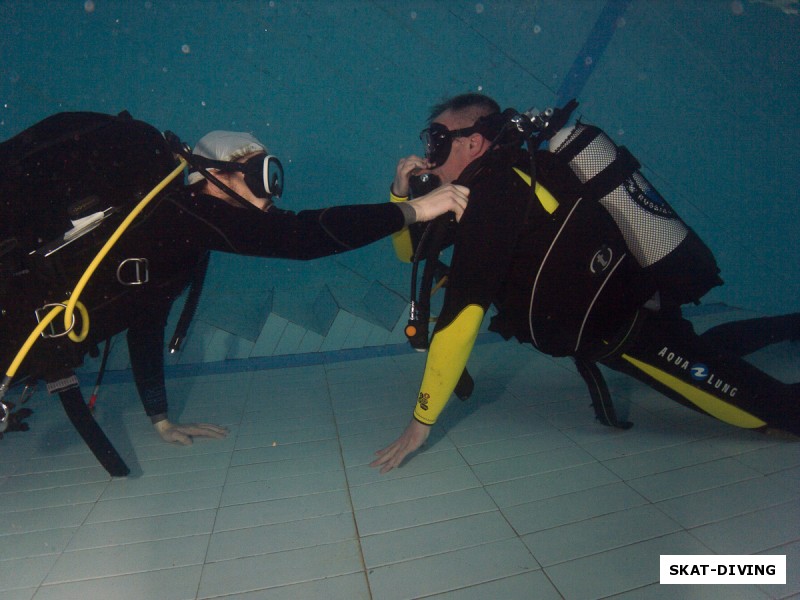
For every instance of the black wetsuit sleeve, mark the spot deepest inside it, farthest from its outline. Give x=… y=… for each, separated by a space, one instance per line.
x=146 y=350
x=283 y=234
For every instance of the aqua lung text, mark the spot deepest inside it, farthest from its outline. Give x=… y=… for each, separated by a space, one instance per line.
x=699 y=372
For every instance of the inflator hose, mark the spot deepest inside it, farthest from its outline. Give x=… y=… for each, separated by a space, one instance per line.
x=73 y=303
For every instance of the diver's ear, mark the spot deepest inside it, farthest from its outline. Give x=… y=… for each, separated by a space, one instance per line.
x=477 y=145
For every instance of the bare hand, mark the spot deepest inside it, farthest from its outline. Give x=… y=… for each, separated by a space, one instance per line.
x=445 y=198
x=183 y=434
x=413 y=437
x=405 y=168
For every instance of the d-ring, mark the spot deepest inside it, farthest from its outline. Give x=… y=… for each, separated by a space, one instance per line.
x=52 y=333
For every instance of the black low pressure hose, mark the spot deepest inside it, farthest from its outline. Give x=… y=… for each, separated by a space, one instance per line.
x=190 y=306
x=417 y=329
x=100 y=373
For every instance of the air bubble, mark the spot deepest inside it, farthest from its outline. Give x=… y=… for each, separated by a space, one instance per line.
x=537 y=29
x=186 y=49
x=479 y=8
x=88 y=6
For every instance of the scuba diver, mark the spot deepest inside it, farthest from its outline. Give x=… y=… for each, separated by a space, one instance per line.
x=589 y=262
x=239 y=167
x=73 y=163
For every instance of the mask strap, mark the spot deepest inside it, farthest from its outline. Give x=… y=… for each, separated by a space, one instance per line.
x=201 y=165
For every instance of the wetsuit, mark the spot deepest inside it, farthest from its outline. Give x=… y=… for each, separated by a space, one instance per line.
x=495 y=256
x=180 y=231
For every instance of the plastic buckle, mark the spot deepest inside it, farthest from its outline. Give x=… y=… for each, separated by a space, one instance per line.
x=133 y=271
x=40 y=312
x=60 y=385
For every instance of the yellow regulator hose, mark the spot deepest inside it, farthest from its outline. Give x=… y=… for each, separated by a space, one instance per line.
x=70 y=306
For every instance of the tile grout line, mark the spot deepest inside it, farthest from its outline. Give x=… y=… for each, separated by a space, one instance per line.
x=222 y=490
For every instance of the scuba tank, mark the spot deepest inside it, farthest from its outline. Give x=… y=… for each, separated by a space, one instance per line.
x=682 y=266
x=621 y=247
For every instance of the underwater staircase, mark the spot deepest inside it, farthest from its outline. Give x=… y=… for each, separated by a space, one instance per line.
x=256 y=321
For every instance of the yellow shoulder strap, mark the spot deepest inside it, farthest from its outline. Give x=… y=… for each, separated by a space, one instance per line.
x=547 y=200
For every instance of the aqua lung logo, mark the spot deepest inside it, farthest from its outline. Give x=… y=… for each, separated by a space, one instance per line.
x=648 y=198
x=699 y=372
x=601 y=260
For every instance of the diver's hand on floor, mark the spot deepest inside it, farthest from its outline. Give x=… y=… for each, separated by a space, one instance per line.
x=413 y=437
x=183 y=434
x=446 y=198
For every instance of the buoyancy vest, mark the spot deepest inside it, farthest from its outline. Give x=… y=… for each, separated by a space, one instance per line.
x=682 y=266
x=605 y=252
x=67 y=182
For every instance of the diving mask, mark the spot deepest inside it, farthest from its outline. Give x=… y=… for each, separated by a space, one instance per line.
x=438 y=141
x=263 y=173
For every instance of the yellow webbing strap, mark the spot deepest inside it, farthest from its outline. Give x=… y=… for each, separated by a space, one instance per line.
x=547 y=200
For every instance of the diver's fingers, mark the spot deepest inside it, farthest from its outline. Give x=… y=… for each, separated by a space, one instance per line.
x=393 y=455
x=440 y=201
x=412 y=163
x=405 y=168
x=461 y=198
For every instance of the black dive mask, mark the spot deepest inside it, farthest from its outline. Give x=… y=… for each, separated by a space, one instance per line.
x=263 y=173
x=438 y=141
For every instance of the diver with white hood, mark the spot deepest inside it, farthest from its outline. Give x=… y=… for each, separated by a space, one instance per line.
x=232 y=171
x=83 y=170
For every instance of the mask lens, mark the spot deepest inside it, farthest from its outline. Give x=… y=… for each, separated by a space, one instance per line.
x=263 y=174
x=273 y=176
x=438 y=142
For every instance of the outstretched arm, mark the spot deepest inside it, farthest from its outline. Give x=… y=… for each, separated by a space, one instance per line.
x=313 y=234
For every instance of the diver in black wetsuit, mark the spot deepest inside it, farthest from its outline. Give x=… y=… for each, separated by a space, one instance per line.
x=495 y=257
x=227 y=206
x=210 y=215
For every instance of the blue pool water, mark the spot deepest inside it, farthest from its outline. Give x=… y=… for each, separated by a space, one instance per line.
x=703 y=93
x=519 y=493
